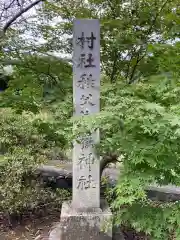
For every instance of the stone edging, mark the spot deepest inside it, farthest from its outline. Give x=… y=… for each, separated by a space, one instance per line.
x=169 y=193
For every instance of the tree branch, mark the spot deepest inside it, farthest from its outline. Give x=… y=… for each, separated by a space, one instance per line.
x=17 y=15
x=114 y=68
x=113 y=158
x=139 y=58
x=129 y=54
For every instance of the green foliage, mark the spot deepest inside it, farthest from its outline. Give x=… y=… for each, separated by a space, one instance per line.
x=141 y=121
x=128 y=30
x=149 y=141
x=37 y=81
x=34 y=111
x=24 y=144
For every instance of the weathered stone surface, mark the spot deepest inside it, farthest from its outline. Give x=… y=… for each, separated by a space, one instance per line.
x=94 y=224
x=168 y=193
x=56 y=232
x=86 y=101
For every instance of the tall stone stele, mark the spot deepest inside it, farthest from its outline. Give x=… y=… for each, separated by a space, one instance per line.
x=85 y=216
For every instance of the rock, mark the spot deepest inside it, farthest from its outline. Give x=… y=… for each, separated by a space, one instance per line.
x=56 y=232
x=63 y=179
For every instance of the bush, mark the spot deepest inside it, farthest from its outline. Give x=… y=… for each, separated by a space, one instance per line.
x=22 y=149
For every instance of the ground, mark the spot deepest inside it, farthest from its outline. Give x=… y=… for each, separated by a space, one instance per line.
x=32 y=228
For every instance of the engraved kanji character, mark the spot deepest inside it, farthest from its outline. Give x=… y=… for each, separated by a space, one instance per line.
x=86 y=100
x=86 y=81
x=86 y=141
x=85 y=112
x=90 y=40
x=84 y=183
x=83 y=60
x=86 y=160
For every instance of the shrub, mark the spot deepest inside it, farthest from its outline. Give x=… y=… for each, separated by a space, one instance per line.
x=22 y=149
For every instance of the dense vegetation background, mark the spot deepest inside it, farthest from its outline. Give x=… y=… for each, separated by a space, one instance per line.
x=140 y=113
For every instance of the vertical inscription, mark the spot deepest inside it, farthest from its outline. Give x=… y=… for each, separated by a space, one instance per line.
x=86 y=95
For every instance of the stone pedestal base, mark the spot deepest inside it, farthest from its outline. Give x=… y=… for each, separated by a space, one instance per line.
x=94 y=224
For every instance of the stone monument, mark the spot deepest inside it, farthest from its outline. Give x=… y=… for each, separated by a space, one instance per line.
x=84 y=217
x=86 y=99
